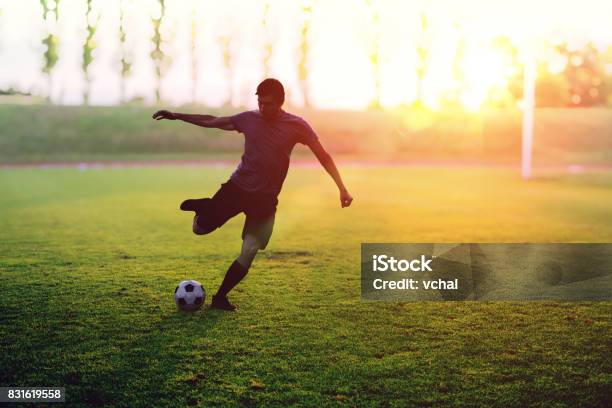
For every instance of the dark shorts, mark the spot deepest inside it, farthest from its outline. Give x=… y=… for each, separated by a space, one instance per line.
x=231 y=200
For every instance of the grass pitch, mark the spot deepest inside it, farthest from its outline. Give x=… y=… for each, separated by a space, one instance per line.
x=89 y=260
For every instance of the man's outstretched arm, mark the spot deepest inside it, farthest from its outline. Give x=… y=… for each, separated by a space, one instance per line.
x=328 y=163
x=207 y=121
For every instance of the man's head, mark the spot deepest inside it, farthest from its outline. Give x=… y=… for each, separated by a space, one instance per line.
x=270 y=97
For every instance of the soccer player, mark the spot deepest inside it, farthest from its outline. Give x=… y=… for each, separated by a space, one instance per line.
x=270 y=134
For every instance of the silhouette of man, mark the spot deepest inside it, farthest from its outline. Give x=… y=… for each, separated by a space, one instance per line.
x=270 y=134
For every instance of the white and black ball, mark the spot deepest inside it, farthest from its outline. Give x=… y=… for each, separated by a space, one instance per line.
x=189 y=295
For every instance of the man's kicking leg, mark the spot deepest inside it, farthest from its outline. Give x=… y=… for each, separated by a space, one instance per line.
x=212 y=213
x=236 y=272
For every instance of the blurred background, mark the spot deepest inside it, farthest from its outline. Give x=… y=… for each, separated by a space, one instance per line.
x=419 y=82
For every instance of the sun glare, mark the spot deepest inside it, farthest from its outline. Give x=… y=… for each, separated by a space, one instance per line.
x=396 y=52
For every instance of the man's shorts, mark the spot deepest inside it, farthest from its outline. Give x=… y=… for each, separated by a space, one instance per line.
x=231 y=200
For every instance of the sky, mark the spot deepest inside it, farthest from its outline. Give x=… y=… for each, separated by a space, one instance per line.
x=342 y=34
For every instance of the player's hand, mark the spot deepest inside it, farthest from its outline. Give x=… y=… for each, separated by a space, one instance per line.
x=345 y=198
x=163 y=114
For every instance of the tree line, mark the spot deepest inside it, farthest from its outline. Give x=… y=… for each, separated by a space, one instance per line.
x=585 y=79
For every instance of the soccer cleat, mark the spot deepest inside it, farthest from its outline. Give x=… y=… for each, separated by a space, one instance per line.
x=221 y=302
x=197 y=205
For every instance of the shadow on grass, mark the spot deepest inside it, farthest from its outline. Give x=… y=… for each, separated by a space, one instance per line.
x=148 y=365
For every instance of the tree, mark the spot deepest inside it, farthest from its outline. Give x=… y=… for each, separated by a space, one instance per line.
x=606 y=66
x=226 y=50
x=51 y=41
x=267 y=42
x=160 y=59
x=507 y=96
x=374 y=51
x=306 y=7
x=126 y=58
x=194 y=53
x=423 y=55
x=453 y=95
x=88 y=47
x=585 y=74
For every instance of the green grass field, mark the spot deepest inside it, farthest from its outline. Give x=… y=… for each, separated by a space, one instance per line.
x=89 y=260
x=46 y=133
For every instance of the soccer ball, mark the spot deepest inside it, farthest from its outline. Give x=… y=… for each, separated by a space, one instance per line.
x=189 y=295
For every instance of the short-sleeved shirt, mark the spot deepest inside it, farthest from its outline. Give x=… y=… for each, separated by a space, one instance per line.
x=267 y=149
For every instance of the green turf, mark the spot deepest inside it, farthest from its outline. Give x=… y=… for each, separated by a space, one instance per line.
x=46 y=133
x=89 y=260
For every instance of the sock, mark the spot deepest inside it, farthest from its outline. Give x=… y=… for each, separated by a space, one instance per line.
x=234 y=275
